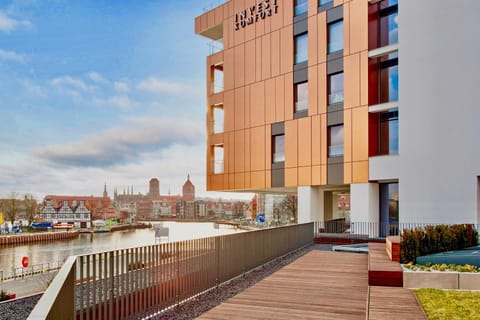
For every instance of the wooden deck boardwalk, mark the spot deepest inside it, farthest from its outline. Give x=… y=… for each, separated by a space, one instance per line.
x=393 y=304
x=381 y=270
x=319 y=285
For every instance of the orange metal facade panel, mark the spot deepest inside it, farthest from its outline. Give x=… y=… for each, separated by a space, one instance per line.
x=228 y=111
x=197 y=25
x=216 y=98
x=316 y=141
x=312 y=8
x=289 y=96
x=316 y=176
x=239 y=119
x=364 y=78
x=259 y=28
x=287 y=8
x=347 y=172
x=276 y=19
x=216 y=139
x=304 y=142
x=346 y=29
x=250 y=62
x=257 y=146
x=323 y=174
x=231 y=181
x=250 y=32
x=239 y=65
x=360 y=133
x=291 y=139
x=228 y=69
x=337 y=3
x=257 y=179
x=239 y=181
x=347 y=135
x=279 y=98
x=239 y=150
x=227 y=33
x=257 y=104
x=323 y=139
x=238 y=36
x=230 y=150
x=266 y=70
x=312 y=91
x=275 y=53
x=217 y=181
x=203 y=22
x=268 y=147
x=247 y=180
x=322 y=37
x=358 y=26
x=286 y=43
x=322 y=88
x=247 y=153
x=268 y=179
x=312 y=41
x=228 y=10
x=270 y=101
x=258 y=59
x=247 y=107
x=218 y=13
x=304 y=176
x=352 y=80
x=360 y=172
x=291 y=177
x=268 y=27
x=238 y=5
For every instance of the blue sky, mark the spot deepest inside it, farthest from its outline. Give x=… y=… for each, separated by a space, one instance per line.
x=101 y=90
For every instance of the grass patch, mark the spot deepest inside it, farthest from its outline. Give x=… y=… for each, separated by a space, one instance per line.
x=449 y=304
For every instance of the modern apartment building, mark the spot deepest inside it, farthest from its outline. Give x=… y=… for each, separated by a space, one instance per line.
x=373 y=100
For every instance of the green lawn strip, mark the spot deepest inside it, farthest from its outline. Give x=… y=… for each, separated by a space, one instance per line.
x=441 y=304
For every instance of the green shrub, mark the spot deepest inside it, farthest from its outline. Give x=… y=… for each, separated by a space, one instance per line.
x=434 y=239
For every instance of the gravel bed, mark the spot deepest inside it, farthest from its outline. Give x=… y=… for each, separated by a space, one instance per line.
x=195 y=307
x=18 y=309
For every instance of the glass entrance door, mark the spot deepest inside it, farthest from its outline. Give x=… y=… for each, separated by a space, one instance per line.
x=388 y=209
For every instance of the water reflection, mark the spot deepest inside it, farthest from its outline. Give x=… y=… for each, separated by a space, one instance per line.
x=51 y=252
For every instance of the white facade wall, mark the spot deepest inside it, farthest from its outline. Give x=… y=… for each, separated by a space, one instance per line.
x=439 y=114
x=310 y=204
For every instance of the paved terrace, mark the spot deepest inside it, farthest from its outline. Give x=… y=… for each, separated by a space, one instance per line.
x=320 y=285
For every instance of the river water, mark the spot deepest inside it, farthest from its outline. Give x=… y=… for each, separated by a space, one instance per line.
x=54 y=251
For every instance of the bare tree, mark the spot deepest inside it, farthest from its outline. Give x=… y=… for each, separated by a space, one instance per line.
x=11 y=207
x=31 y=208
x=290 y=205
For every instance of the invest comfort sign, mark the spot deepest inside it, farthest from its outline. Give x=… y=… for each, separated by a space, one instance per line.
x=254 y=13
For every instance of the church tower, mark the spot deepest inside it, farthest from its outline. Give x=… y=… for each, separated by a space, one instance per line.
x=188 y=190
x=105 y=193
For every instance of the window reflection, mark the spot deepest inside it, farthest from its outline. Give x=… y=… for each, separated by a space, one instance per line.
x=301 y=96
x=335 y=36
x=301 y=6
x=335 y=141
x=301 y=48
x=389 y=78
x=388 y=135
x=278 y=148
x=335 y=88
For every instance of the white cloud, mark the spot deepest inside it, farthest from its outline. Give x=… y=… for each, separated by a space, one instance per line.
x=12 y=56
x=121 y=86
x=70 y=82
x=158 y=86
x=33 y=88
x=122 y=102
x=9 y=24
x=123 y=144
x=98 y=78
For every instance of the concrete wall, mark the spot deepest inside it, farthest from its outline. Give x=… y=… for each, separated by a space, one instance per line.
x=310 y=204
x=439 y=111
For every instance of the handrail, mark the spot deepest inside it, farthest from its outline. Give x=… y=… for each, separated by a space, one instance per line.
x=58 y=301
x=146 y=280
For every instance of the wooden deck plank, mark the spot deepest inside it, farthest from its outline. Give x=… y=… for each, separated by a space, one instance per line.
x=393 y=303
x=319 y=285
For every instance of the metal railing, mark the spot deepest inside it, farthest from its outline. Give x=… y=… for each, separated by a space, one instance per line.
x=33 y=270
x=367 y=230
x=146 y=280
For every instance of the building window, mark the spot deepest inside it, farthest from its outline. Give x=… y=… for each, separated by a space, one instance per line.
x=335 y=88
x=216 y=125
x=301 y=96
x=388 y=22
x=389 y=212
x=335 y=141
x=301 y=48
x=324 y=2
x=301 y=6
x=217 y=78
x=388 y=132
x=218 y=159
x=388 y=78
x=278 y=148
x=335 y=36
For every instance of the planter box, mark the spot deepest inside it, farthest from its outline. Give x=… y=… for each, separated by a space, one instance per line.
x=441 y=280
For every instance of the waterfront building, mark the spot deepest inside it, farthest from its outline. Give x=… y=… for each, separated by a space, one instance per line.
x=366 y=100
